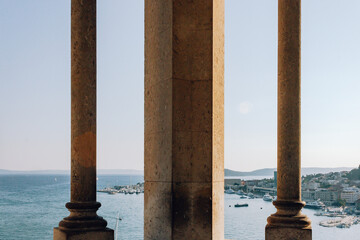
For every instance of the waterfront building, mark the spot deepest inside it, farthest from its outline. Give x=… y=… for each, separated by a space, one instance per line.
x=327 y=196
x=231 y=181
x=275 y=178
x=308 y=195
x=252 y=182
x=350 y=194
x=184 y=124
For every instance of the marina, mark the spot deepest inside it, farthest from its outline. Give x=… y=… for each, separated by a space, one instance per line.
x=340 y=217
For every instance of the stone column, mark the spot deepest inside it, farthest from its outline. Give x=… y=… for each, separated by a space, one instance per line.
x=288 y=222
x=184 y=114
x=83 y=222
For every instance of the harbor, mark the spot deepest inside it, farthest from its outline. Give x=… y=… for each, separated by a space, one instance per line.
x=340 y=217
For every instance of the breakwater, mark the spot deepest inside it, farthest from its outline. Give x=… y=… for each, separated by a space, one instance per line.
x=125 y=189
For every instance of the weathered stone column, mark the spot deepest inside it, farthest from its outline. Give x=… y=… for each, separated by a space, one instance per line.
x=83 y=222
x=184 y=114
x=288 y=222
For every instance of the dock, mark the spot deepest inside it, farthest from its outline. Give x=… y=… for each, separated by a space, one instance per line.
x=344 y=222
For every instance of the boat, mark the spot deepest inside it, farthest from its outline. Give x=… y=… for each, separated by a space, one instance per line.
x=230 y=191
x=268 y=198
x=241 y=193
x=241 y=205
x=243 y=197
x=314 y=205
x=251 y=195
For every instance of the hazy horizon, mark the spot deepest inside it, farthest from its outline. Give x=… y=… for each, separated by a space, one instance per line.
x=123 y=169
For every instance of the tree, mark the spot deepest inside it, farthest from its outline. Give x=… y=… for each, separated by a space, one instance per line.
x=340 y=203
x=354 y=174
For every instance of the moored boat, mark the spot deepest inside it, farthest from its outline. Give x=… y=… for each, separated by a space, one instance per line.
x=314 y=205
x=230 y=191
x=268 y=198
x=241 y=193
x=241 y=205
x=251 y=195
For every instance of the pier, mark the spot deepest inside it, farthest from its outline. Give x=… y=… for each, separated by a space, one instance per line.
x=344 y=222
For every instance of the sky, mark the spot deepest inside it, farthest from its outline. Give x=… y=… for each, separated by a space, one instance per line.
x=35 y=84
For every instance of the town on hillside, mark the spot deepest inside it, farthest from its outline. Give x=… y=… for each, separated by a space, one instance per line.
x=336 y=194
x=333 y=189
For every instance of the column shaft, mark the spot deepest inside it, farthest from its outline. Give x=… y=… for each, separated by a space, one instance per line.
x=289 y=100
x=83 y=101
x=83 y=219
x=288 y=222
x=184 y=172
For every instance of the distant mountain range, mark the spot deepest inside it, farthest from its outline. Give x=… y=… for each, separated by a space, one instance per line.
x=270 y=171
x=67 y=172
x=228 y=172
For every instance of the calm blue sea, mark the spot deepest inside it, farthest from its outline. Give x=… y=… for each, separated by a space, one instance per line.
x=31 y=205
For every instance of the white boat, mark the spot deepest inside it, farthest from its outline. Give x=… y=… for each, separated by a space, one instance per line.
x=314 y=205
x=268 y=198
x=230 y=191
x=241 y=193
x=251 y=195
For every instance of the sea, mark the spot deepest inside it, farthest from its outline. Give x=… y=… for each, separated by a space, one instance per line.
x=32 y=205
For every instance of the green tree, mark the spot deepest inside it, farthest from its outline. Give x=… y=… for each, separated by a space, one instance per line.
x=340 y=203
x=354 y=174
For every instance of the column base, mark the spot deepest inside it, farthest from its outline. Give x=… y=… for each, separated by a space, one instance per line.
x=104 y=234
x=288 y=223
x=284 y=233
x=83 y=217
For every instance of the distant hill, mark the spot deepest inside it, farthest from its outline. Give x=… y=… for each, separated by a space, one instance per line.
x=270 y=171
x=67 y=172
x=120 y=172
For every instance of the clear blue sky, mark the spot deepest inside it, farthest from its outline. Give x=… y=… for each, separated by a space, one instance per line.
x=35 y=84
